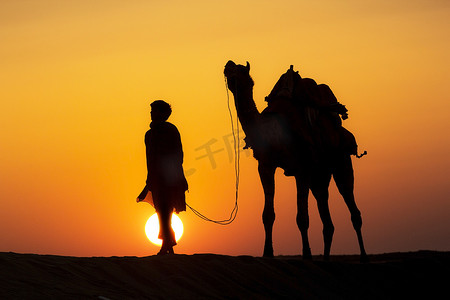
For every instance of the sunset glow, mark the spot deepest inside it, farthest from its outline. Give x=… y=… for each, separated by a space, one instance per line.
x=77 y=79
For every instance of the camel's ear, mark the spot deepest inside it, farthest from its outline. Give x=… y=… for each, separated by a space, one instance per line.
x=248 y=66
x=230 y=63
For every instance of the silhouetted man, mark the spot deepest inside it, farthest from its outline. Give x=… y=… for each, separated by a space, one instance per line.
x=165 y=178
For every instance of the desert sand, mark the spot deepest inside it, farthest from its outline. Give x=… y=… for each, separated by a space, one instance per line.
x=412 y=275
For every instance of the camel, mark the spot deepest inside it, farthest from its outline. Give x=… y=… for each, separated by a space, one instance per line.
x=284 y=138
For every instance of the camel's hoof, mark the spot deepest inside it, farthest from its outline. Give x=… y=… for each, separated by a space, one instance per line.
x=268 y=250
x=364 y=259
x=307 y=255
x=268 y=254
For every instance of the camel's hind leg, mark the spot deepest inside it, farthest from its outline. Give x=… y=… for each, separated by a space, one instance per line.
x=267 y=176
x=302 y=213
x=319 y=188
x=344 y=178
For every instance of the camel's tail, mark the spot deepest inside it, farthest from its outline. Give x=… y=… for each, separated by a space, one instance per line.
x=361 y=155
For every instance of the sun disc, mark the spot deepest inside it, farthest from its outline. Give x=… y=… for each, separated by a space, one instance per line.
x=152 y=228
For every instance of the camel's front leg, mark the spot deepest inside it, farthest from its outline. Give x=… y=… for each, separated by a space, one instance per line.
x=267 y=176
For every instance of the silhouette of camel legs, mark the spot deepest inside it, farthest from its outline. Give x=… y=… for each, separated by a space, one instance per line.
x=267 y=176
x=319 y=189
x=302 y=213
x=344 y=179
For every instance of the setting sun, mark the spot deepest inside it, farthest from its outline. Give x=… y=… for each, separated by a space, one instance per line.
x=152 y=228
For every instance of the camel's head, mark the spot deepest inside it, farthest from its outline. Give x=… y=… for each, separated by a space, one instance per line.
x=238 y=76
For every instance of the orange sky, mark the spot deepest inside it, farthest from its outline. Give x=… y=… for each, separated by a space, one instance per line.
x=77 y=78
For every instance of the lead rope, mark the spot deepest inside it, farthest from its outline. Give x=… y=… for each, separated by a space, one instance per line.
x=236 y=141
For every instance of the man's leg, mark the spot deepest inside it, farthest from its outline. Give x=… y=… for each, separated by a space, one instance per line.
x=167 y=233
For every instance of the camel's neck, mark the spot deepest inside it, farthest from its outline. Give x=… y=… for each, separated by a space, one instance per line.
x=247 y=112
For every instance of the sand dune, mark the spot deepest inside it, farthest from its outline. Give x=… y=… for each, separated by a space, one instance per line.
x=210 y=276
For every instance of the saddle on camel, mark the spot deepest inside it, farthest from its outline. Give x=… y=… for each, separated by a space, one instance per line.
x=313 y=113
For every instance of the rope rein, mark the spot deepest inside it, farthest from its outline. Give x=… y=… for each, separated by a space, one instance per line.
x=236 y=141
